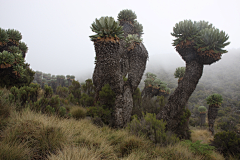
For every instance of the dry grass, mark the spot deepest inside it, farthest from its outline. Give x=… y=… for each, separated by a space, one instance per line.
x=31 y=135
x=201 y=134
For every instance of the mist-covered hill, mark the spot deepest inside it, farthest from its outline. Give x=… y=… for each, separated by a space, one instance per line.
x=222 y=77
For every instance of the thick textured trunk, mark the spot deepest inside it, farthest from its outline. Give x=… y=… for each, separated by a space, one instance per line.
x=172 y=112
x=212 y=115
x=202 y=119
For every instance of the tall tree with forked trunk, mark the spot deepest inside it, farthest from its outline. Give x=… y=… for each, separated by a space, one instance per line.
x=199 y=44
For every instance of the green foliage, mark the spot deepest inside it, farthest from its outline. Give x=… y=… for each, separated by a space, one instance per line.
x=186 y=114
x=198 y=148
x=48 y=91
x=127 y=15
x=204 y=35
x=62 y=111
x=133 y=38
x=202 y=109
x=228 y=123
x=214 y=99
x=107 y=97
x=221 y=113
x=106 y=27
x=63 y=92
x=227 y=143
x=50 y=110
x=23 y=47
x=138 y=28
x=6 y=58
x=14 y=34
x=75 y=90
x=179 y=73
x=3 y=36
x=152 y=128
x=55 y=102
x=104 y=114
x=86 y=100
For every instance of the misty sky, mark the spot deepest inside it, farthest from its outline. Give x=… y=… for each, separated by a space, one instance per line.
x=57 y=32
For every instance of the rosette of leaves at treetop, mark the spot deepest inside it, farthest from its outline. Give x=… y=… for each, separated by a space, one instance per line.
x=68 y=76
x=127 y=15
x=214 y=100
x=14 y=36
x=199 y=41
x=72 y=77
x=107 y=29
x=3 y=37
x=138 y=28
x=132 y=40
x=202 y=109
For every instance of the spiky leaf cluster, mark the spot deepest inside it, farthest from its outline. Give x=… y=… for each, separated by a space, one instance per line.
x=179 y=73
x=133 y=38
x=138 y=28
x=14 y=49
x=3 y=35
x=127 y=15
x=72 y=77
x=6 y=58
x=214 y=99
x=155 y=82
x=212 y=39
x=23 y=47
x=150 y=75
x=202 y=109
x=106 y=27
x=203 y=36
x=14 y=34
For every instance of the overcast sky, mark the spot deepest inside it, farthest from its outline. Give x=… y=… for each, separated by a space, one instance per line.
x=57 y=32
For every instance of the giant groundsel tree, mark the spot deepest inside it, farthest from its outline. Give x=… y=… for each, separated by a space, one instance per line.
x=14 y=71
x=119 y=53
x=198 y=43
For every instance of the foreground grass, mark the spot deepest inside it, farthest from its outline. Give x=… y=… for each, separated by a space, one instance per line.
x=30 y=135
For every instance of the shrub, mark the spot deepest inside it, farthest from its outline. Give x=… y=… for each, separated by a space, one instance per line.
x=55 y=102
x=86 y=100
x=107 y=97
x=104 y=114
x=152 y=128
x=78 y=112
x=221 y=113
x=50 y=110
x=48 y=91
x=62 y=91
x=62 y=111
x=227 y=123
x=227 y=143
x=75 y=90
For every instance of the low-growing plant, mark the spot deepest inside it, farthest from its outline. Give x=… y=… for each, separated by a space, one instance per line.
x=198 y=148
x=104 y=114
x=62 y=111
x=48 y=91
x=50 y=110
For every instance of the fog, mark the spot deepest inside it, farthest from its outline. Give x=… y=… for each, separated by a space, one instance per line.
x=57 y=32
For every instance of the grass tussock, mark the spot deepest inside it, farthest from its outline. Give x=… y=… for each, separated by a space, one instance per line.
x=78 y=112
x=203 y=135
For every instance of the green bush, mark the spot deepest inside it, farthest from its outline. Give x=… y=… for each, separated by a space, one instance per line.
x=50 y=110
x=62 y=111
x=227 y=123
x=75 y=90
x=63 y=92
x=227 y=143
x=221 y=113
x=86 y=100
x=198 y=148
x=107 y=97
x=55 y=102
x=48 y=91
x=152 y=128
x=78 y=112
x=104 y=114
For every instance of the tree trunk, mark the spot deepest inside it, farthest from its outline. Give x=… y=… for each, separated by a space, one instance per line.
x=202 y=119
x=212 y=115
x=172 y=112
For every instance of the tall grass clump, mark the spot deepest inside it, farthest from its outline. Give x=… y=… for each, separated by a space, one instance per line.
x=78 y=112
